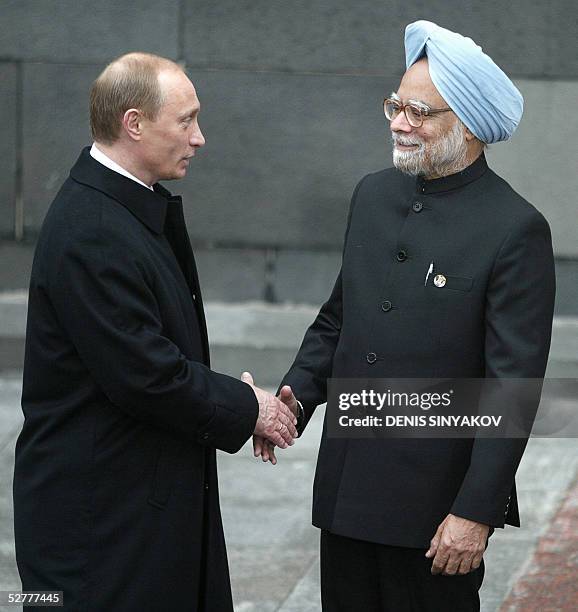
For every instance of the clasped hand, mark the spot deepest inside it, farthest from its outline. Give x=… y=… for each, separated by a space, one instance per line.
x=276 y=422
x=263 y=443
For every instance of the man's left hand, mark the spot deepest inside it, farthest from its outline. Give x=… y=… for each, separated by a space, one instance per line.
x=458 y=546
x=265 y=449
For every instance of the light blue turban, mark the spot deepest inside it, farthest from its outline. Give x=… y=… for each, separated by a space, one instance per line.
x=474 y=87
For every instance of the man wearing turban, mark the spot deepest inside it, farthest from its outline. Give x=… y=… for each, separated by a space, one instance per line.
x=447 y=273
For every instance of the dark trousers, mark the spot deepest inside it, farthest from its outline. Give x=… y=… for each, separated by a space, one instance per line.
x=357 y=575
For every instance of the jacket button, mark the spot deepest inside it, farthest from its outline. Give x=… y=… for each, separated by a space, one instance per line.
x=386 y=306
x=371 y=357
x=205 y=436
x=401 y=255
x=194 y=297
x=417 y=207
x=206 y=486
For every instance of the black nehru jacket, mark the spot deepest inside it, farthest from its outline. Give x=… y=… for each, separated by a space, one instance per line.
x=492 y=319
x=115 y=484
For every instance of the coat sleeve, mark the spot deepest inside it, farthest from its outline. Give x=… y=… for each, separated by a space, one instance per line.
x=518 y=322
x=314 y=362
x=107 y=306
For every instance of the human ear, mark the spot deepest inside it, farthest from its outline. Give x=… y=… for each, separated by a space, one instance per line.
x=469 y=135
x=132 y=123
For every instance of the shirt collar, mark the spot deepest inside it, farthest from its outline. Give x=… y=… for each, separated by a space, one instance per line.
x=453 y=181
x=110 y=163
x=148 y=206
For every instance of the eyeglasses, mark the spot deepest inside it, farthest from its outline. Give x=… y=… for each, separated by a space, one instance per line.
x=414 y=111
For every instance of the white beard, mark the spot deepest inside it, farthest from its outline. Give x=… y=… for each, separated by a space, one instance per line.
x=444 y=156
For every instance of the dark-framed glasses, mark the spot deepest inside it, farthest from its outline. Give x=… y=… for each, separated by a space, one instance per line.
x=414 y=110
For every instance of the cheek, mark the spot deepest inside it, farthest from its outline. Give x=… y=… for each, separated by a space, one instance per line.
x=182 y=142
x=173 y=146
x=429 y=133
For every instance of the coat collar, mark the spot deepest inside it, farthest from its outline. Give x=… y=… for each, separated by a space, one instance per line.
x=453 y=181
x=149 y=207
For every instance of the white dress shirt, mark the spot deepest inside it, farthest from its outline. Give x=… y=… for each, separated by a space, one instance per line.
x=100 y=157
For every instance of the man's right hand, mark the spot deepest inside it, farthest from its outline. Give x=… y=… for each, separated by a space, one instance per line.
x=264 y=448
x=276 y=422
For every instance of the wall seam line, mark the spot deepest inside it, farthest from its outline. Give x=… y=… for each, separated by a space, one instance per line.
x=19 y=171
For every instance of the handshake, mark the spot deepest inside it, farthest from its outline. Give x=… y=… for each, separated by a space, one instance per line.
x=276 y=421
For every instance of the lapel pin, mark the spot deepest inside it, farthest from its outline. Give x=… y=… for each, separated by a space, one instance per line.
x=439 y=280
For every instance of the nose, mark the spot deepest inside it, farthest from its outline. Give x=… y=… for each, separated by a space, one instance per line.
x=401 y=124
x=197 y=139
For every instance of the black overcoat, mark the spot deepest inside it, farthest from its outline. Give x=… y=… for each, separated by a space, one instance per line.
x=115 y=483
x=493 y=318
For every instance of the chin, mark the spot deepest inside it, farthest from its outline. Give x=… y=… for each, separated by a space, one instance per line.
x=175 y=175
x=181 y=170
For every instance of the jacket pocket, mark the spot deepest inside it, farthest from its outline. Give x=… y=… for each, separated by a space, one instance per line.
x=164 y=473
x=450 y=283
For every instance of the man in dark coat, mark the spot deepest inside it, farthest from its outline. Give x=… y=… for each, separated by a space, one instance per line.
x=115 y=486
x=446 y=273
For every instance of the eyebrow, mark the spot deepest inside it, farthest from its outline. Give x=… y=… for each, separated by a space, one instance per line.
x=396 y=96
x=190 y=113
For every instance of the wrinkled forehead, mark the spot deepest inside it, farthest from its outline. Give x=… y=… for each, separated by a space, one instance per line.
x=416 y=84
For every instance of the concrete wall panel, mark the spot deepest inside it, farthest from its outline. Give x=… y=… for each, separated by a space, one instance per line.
x=16 y=264
x=283 y=155
x=306 y=277
x=56 y=126
x=8 y=152
x=234 y=275
x=87 y=31
x=540 y=160
x=562 y=50
x=367 y=36
x=566 y=288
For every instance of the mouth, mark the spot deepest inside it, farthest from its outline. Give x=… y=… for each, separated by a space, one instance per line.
x=405 y=146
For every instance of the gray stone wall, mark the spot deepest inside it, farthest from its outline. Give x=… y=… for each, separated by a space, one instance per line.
x=291 y=109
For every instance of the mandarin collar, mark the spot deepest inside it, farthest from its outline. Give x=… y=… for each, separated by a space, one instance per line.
x=453 y=181
x=149 y=207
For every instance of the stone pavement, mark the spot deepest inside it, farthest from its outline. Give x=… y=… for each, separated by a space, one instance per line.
x=550 y=581
x=273 y=549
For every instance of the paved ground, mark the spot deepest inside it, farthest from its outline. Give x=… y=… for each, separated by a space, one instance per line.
x=551 y=579
x=273 y=549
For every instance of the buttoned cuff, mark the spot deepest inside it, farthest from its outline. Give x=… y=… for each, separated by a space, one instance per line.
x=300 y=414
